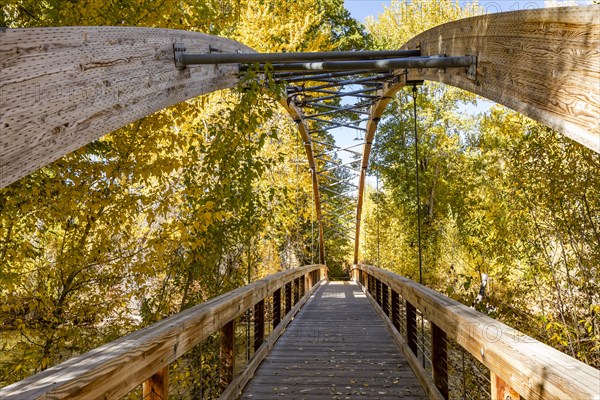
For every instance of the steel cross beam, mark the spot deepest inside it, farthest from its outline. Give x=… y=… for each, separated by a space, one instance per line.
x=184 y=58
x=377 y=65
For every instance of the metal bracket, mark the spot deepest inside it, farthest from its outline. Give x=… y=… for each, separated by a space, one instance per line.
x=472 y=71
x=178 y=51
x=414 y=82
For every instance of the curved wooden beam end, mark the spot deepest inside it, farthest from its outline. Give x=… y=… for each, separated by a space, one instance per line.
x=543 y=63
x=64 y=87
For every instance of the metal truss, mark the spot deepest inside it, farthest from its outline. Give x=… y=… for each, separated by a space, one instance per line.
x=334 y=91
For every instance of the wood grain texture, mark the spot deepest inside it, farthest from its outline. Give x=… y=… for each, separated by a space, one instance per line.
x=62 y=88
x=234 y=390
x=113 y=370
x=336 y=347
x=543 y=63
x=424 y=378
x=500 y=390
x=157 y=387
x=533 y=369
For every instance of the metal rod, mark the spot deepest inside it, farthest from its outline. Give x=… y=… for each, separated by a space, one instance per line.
x=336 y=110
x=358 y=153
x=364 y=104
x=328 y=128
x=377 y=65
x=414 y=91
x=347 y=165
x=337 y=125
x=331 y=190
x=310 y=74
x=367 y=80
x=339 y=233
x=336 y=210
x=355 y=93
x=338 y=195
x=345 y=182
x=250 y=58
x=324 y=143
x=316 y=75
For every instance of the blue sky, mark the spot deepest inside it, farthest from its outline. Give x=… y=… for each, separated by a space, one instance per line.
x=360 y=9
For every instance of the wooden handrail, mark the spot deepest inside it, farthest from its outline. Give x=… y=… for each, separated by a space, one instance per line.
x=529 y=367
x=115 y=369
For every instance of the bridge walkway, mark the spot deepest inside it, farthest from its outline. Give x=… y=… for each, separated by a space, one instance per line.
x=336 y=348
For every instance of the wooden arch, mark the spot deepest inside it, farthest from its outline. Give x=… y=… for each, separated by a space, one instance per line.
x=62 y=88
x=543 y=63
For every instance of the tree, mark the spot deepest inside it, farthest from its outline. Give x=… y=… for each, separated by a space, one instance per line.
x=161 y=214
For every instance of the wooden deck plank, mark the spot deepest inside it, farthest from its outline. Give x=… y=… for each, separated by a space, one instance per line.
x=336 y=348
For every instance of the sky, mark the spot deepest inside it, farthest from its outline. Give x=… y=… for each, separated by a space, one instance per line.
x=360 y=9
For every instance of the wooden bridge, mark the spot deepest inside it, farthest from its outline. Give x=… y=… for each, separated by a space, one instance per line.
x=378 y=336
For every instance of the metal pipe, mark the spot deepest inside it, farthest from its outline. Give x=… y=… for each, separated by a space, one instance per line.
x=315 y=106
x=356 y=93
x=297 y=89
x=346 y=165
x=379 y=65
x=337 y=110
x=334 y=182
x=324 y=143
x=251 y=58
x=316 y=75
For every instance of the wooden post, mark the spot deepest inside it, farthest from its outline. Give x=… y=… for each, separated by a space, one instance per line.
x=157 y=387
x=259 y=324
x=276 y=308
x=411 y=327
x=227 y=354
x=288 y=297
x=373 y=287
x=384 y=299
x=439 y=359
x=396 y=310
x=378 y=291
x=296 y=290
x=501 y=390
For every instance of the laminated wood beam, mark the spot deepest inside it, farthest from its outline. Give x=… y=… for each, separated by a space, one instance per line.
x=543 y=63
x=62 y=88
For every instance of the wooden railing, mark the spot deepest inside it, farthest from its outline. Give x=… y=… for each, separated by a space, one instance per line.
x=448 y=345
x=142 y=358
